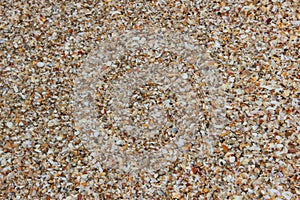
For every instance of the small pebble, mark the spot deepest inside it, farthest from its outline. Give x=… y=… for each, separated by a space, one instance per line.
x=185 y=76
x=9 y=124
x=40 y=64
x=232 y=159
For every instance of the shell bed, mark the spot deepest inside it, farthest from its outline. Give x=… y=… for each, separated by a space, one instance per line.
x=238 y=67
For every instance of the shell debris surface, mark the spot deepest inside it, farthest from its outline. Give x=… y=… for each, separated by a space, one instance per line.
x=250 y=47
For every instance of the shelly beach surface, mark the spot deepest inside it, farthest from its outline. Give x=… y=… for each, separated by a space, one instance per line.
x=150 y=100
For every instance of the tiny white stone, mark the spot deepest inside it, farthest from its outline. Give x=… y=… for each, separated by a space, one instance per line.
x=59 y=138
x=96 y=134
x=231 y=79
x=70 y=145
x=53 y=122
x=40 y=64
x=9 y=124
x=287 y=195
x=274 y=192
x=27 y=143
x=3 y=161
x=15 y=88
x=180 y=143
x=184 y=76
x=235 y=197
x=119 y=142
x=232 y=159
x=279 y=146
x=296 y=23
x=77 y=133
x=217 y=45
